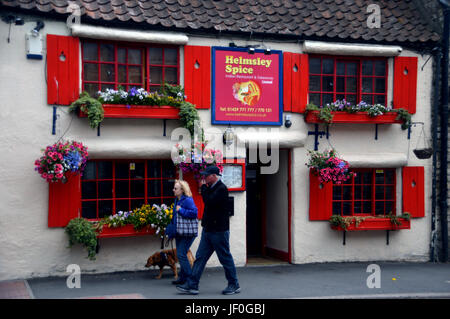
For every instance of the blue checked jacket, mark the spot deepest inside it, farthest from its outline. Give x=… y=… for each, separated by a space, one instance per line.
x=186 y=218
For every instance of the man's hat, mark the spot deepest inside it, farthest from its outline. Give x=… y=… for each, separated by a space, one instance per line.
x=211 y=170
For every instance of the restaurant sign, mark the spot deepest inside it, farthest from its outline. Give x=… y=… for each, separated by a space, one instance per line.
x=247 y=88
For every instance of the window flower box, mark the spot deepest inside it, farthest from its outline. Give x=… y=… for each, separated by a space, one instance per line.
x=359 y=117
x=124 y=231
x=375 y=224
x=138 y=111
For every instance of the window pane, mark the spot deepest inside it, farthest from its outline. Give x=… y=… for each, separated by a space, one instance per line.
x=358 y=179
x=314 y=99
x=156 y=55
x=390 y=176
x=337 y=208
x=367 y=98
x=135 y=74
x=105 y=208
x=327 y=99
x=156 y=75
x=171 y=56
x=340 y=96
x=168 y=187
x=314 y=83
x=340 y=68
x=351 y=85
x=105 y=189
x=389 y=207
x=380 y=85
x=367 y=85
x=351 y=98
x=380 y=68
x=314 y=65
x=156 y=201
x=103 y=87
x=367 y=177
x=90 y=51
x=380 y=99
x=357 y=209
x=367 y=207
x=389 y=192
x=340 y=84
x=107 y=73
x=122 y=170
x=89 y=171
x=327 y=84
x=89 y=210
x=137 y=189
x=168 y=169
x=347 y=208
x=367 y=192
x=358 y=192
x=122 y=74
x=134 y=56
x=154 y=169
x=122 y=55
x=122 y=189
x=327 y=66
x=154 y=188
x=352 y=68
x=92 y=89
x=104 y=170
x=137 y=203
x=367 y=68
x=171 y=75
x=90 y=72
x=379 y=208
x=88 y=190
x=379 y=192
x=107 y=53
x=337 y=192
x=347 y=192
x=122 y=205
x=168 y=201
x=379 y=177
x=138 y=171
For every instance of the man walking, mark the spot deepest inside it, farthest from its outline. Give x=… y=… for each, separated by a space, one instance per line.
x=215 y=234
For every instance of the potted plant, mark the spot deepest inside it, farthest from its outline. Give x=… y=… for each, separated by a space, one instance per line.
x=61 y=158
x=81 y=231
x=329 y=167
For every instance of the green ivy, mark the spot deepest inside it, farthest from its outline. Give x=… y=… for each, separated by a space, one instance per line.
x=92 y=107
x=81 y=231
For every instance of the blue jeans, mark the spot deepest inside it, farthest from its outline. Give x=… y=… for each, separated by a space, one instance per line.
x=183 y=244
x=210 y=242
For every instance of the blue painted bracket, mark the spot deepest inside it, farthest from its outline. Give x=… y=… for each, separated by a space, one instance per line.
x=98 y=130
x=54 y=121
x=318 y=134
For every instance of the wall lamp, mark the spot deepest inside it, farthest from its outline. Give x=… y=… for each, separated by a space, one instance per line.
x=287 y=121
x=228 y=136
x=37 y=28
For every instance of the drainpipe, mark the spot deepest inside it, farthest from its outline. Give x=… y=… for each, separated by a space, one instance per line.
x=444 y=130
x=434 y=127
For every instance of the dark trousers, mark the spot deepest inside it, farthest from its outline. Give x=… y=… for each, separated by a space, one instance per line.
x=183 y=244
x=211 y=242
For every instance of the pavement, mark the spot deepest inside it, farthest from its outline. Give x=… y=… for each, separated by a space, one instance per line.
x=396 y=280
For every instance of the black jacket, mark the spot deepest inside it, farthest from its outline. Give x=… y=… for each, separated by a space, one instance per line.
x=215 y=214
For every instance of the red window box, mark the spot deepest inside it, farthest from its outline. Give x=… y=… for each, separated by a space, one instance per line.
x=360 y=117
x=138 y=111
x=377 y=224
x=124 y=231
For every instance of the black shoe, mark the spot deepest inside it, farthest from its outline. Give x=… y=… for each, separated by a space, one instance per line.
x=178 y=282
x=231 y=290
x=185 y=288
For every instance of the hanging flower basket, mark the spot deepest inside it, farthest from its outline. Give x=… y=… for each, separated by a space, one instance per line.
x=61 y=158
x=328 y=167
x=197 y=159
x=423 y=153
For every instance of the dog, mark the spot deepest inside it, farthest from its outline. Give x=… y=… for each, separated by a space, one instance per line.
x=167 y=258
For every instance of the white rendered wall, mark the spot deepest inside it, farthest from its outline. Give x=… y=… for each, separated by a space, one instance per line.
x=28 y=248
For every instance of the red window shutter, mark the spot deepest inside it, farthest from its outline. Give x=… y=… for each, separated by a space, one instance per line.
x=197 y=75
x=64 y=201
x=405 y=83
x=63 y=83
x=295 y=82
x=414 y=190
x=320 y=198
x=193 y=185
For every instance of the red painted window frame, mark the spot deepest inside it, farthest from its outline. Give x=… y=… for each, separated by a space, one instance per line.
x=240 y=162
x=359 y=76
x=113 y=179
x=145 y=66
x=373 y=199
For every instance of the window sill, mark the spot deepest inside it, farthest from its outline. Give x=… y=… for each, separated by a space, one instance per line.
x=124 y=231
x=358 y=118
x=376 y=224
x=138 y=111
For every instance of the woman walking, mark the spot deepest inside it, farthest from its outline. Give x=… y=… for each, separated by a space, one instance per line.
x=185 y=219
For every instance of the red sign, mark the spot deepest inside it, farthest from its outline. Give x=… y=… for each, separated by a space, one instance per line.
x=246 y=87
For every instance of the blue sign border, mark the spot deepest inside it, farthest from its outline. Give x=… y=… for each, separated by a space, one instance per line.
x=213 y=88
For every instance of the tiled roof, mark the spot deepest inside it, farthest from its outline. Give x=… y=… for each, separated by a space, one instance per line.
x=401 y=21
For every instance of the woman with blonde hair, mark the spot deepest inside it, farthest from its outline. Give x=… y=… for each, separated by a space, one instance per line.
x=186 y=225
